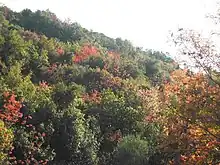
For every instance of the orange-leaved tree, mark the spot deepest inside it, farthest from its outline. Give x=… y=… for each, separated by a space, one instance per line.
x=193 y=118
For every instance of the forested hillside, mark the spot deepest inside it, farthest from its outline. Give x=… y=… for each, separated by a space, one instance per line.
x=70 y=96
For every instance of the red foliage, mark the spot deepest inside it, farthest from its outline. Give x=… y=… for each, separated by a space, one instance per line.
x=149 y=118
x=60 y=51
x=112 y=65
x=44 y=85
x=10 y=113
x=85 y=52
x=115 y=136
x=94 y=96
x=11 y=108
x=52 y=68
x=43 y=134
x=109 y=81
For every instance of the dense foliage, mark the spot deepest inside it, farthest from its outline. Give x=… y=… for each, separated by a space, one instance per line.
x=72 y=96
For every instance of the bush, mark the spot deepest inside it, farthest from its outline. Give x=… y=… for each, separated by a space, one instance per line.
x=132 y=150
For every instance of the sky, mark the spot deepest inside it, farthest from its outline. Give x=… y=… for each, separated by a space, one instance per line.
x=146 y=23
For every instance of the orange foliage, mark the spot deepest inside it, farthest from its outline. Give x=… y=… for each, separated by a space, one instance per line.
x=113 y=55
x=94 y=97
x=192 y=125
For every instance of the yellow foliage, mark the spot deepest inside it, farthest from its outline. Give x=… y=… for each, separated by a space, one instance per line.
x=6 y=138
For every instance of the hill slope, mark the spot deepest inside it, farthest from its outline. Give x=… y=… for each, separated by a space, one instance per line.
x=71 y=96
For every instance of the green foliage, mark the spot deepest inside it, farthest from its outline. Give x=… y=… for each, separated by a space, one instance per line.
x=120 y=116
x=73 y=140
x=6 y=138
x=64 y=95
x=132 y=150
x=15 y=81
x=94 y=62
x=31 y=146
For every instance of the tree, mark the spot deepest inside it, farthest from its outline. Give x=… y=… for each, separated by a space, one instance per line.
x=200 y=51
x=132 y=150
x=193 y=118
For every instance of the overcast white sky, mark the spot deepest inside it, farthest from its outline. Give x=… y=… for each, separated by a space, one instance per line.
x=146 y=23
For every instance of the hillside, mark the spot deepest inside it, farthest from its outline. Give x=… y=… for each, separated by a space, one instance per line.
x=46 y=23
x=73 y=96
